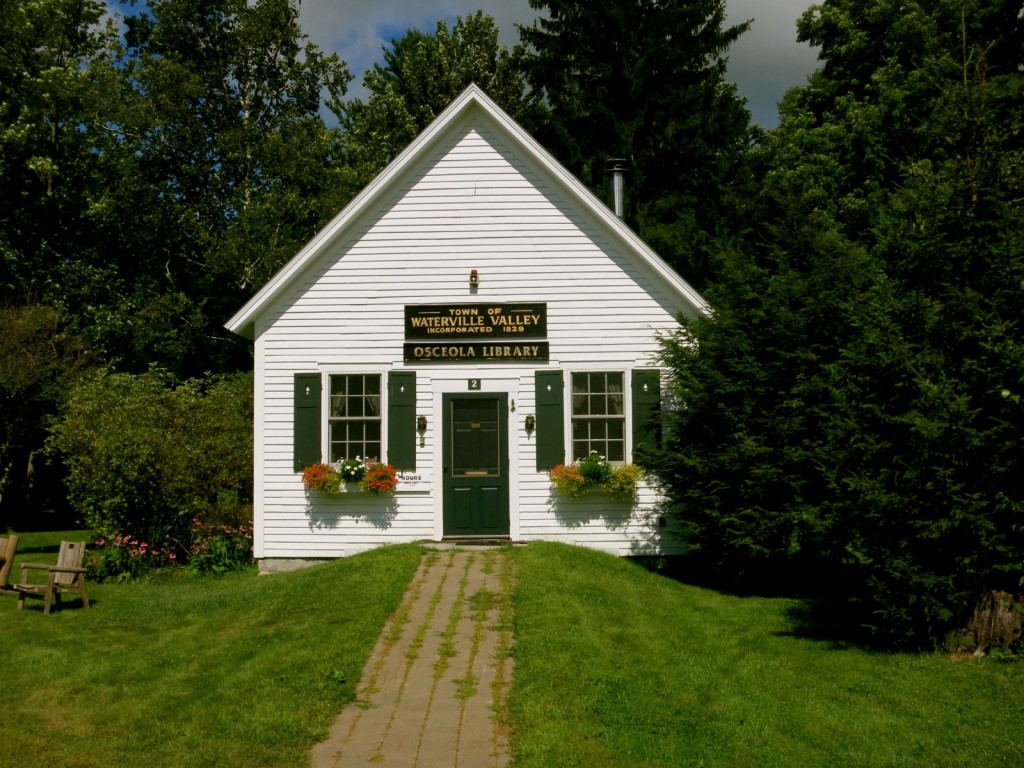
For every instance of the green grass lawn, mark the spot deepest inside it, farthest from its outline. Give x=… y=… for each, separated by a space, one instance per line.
x=190 y=671
x=614 y=666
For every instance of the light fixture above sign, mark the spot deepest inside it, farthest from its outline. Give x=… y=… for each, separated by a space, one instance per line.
x=474 y=278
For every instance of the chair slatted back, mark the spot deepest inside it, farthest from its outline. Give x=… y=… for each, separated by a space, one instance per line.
x=71 y=555
x=8 y=546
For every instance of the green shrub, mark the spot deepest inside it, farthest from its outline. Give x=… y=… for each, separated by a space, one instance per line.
x=146 y=458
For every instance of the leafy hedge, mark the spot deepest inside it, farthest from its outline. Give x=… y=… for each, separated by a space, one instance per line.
x=151 y=459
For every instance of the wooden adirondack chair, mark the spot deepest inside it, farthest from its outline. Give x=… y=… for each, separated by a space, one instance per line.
x=67 y=575
x=8 y=545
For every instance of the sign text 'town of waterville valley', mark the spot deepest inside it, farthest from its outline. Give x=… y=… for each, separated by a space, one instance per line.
x=464 y=333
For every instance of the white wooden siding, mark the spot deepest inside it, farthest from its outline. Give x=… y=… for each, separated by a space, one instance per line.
x=469 y=205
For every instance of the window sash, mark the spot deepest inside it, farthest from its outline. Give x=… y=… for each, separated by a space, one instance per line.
x=598 y=415
x=355 y=424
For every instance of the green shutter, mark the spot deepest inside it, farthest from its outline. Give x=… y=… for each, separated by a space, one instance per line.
x=646 y=404
x=402 y=419
x=306 y=421
x=550 y=419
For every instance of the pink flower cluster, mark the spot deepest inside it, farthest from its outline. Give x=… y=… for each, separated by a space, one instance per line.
x=219 y=547
x=136 y=547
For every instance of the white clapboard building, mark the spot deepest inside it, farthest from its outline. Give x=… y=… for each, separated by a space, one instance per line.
x=474 y=317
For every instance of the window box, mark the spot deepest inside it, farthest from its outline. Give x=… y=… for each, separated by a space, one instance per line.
x=327 y=481
x=595 y=474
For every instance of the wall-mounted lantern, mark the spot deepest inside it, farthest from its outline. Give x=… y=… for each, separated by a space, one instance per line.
x=530 y=423
x=421 y=427
x=474 y=278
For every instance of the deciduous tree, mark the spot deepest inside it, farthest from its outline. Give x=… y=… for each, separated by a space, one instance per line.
x=225 y=169
x=49 y=52
x=420 y=76
x=41 y=360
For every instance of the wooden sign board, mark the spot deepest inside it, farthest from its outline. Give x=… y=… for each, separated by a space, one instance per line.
x=475 y=322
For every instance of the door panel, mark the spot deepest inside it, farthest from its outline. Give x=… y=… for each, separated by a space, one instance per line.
x=475 y=465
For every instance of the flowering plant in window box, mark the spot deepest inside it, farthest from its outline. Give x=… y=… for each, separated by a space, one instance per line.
x=352 y=470
x=322 y=478
x=379 y=479
x=369 y=477
x=595 y=469
x=569 y=481
x=574 y=480
x=621 y=484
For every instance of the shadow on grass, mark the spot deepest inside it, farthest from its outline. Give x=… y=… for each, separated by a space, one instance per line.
x=69 y=603
x=815 y=612
x=40 y=549
x=838 y=624
x=48 y=543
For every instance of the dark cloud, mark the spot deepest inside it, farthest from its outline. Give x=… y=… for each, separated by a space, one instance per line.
x=765 y=62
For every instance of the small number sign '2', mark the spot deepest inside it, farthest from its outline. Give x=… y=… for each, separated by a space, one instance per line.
x=474 y=385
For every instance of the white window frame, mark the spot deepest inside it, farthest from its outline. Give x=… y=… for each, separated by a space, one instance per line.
x=626 y=416
x=329 y=420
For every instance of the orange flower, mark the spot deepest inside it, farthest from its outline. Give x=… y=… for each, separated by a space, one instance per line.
x=379 y=479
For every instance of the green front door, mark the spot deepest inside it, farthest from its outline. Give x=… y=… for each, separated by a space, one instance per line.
x=475 y=465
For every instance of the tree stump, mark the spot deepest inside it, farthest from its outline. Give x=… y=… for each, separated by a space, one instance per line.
x=998 y=620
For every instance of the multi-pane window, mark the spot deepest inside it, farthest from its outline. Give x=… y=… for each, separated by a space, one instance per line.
x=598 y=416
x=355 y=419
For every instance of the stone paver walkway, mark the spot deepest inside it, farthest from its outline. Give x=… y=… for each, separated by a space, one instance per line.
x=433 y=692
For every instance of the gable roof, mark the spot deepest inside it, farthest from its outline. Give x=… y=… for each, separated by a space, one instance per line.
x=471 y=101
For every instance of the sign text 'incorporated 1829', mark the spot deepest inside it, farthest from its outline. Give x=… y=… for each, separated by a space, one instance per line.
x=475 y=322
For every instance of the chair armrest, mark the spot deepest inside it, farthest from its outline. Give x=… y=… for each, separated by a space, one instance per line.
x=52 y=568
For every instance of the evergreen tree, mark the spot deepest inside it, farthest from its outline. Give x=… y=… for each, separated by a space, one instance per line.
x=644 y=80
x=853 y=408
